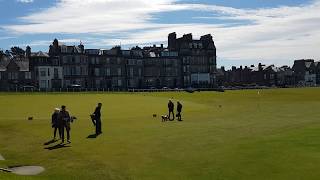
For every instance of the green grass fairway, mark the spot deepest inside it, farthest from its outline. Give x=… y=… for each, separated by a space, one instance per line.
x=274 y=135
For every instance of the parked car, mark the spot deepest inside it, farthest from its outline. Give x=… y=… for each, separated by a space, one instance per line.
x=190 y=90
x=75 y=86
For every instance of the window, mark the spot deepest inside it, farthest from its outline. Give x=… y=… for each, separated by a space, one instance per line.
x=119 y=82
x=78 y=70
x=12 y=75
x=43 y=84
x=108 y=60
x=55 y=62
x=139 y=62
x=108 y=71
x=65 y=60
x=0 y=75
x=98 y=83
x=67 y=82
x=48 y=72
x=131 y=72
x=96 y=71
x=119 y=60
x=27 y=75
x=97 y=60
x=91 y=60
x=119 y=71
x=271 y=76
x=67 y=71
x=77 y=59
x=132 y=62
x=56 y=73
x=140 y=72
x=73 y=71
x=43 y=72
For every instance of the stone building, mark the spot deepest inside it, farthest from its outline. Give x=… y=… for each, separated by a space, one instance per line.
x=185 y=62
x=14 y=72
x=74 y=63
x=305 y=72
x=47 y=71
x=198 y=59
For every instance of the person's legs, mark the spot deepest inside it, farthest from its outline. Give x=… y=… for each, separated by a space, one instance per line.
x=59 y=130
x=98 y=126
x=179 y=116
x=170 y=112
x=68 y=128
x=62 y=133
x=54 y=132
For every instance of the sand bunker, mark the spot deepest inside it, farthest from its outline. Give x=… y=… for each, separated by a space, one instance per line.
x=27 y=170
x=1 y=158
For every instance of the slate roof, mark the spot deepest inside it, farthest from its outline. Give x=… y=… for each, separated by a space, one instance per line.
x=22 y=63
x=4 y=61
x=39 y=54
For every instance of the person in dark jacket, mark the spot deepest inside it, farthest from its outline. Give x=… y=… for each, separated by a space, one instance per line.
x=97 y=118
x=65 y=120
x=171 y=109
x=179 y=109
x=55 y=123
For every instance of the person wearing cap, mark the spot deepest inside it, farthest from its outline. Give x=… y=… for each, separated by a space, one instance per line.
x=171 y=109
x=55 y=123
x=64 y=119
x=179 y=109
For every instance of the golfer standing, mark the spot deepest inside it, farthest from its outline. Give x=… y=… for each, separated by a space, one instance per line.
x=65 y=119
x=97 y=118
x=55 y=123
x=171 y=109
x=179 y=109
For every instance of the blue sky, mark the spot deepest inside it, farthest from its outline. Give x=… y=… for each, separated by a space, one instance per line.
x=245 y=32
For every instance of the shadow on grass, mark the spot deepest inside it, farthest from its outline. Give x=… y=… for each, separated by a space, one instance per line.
x=92 y=136
x=58 y=146
x=50 y=142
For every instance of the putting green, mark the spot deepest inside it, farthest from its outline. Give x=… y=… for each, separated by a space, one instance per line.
x=233 y=135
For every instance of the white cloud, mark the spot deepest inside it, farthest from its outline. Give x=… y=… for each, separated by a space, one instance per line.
x=282 y=33
x=25 y=1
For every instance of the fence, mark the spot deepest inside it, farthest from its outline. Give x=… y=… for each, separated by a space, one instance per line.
x=131 y=90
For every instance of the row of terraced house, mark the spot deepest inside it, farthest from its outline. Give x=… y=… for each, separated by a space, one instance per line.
x=186 y=62
x=304 y=72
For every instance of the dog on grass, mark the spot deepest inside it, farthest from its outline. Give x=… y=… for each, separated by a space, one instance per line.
x=165 y=118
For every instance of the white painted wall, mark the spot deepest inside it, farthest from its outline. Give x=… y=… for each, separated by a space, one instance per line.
x=46 y=74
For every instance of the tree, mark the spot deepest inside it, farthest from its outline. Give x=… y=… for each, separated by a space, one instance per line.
x=17 y=51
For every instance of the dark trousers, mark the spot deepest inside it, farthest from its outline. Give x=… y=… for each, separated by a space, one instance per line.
x=55 y=132
x=171 y=112
x=98 y=126
x=67 y=127
x=179 y=116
